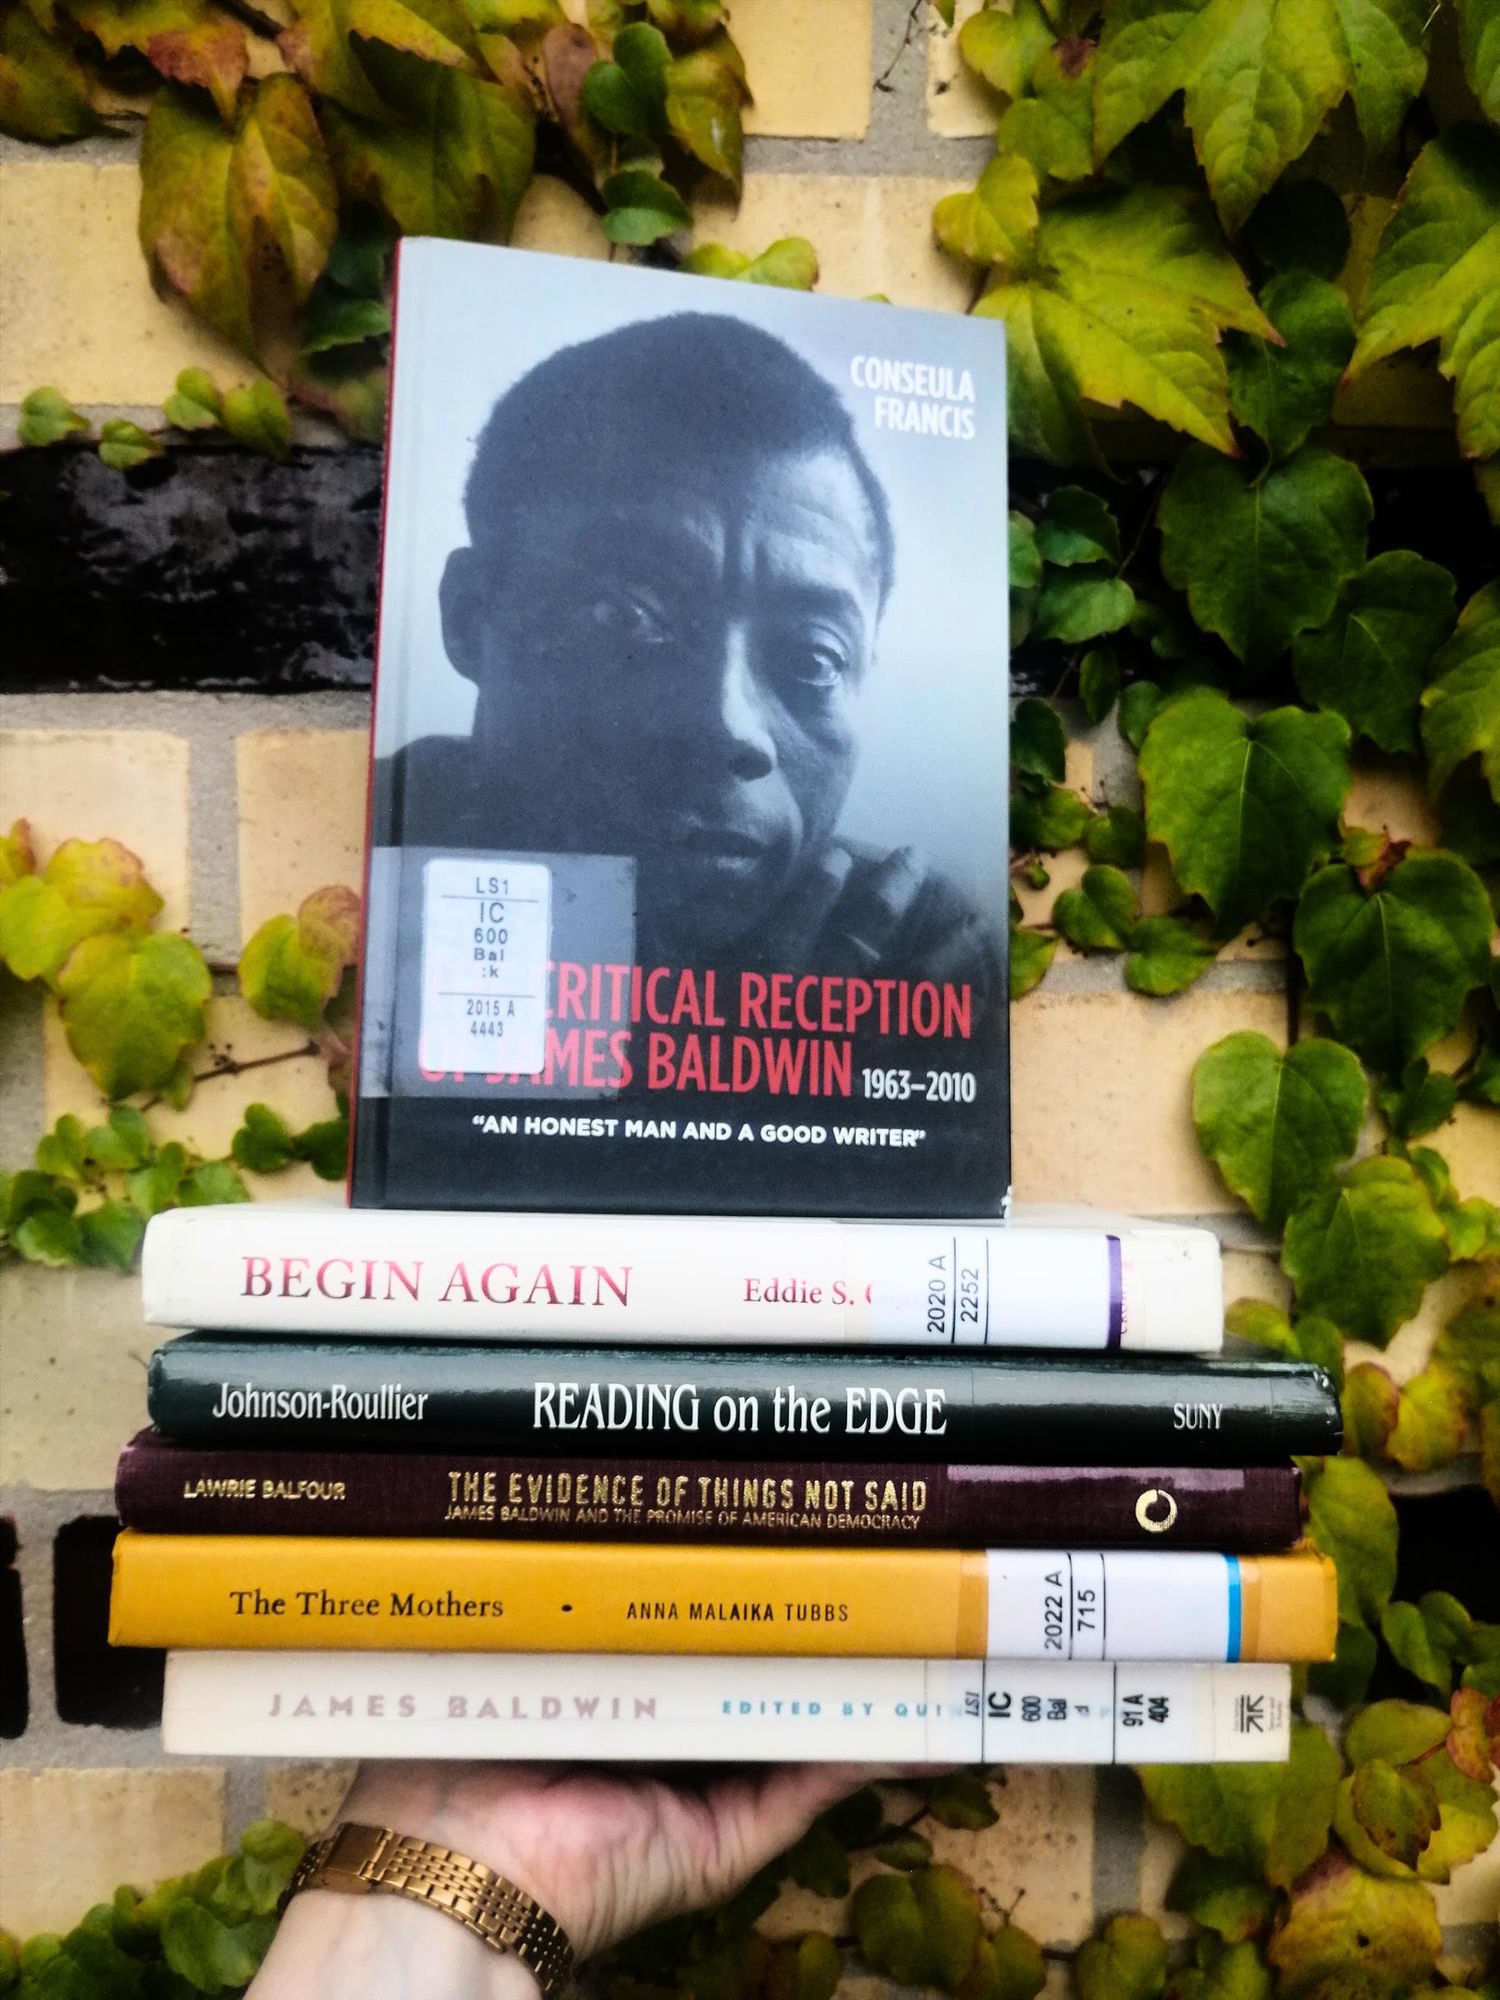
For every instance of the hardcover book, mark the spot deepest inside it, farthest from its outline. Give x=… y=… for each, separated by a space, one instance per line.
x=763 y=1281
x=297 y=1591
x=991 y=1407
x=687 y=882
x=660 y=1707
x=188 y=1489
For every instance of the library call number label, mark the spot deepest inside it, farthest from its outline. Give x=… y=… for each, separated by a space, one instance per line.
x=486 y=941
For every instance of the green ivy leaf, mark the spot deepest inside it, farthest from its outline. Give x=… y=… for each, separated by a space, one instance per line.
x=1117 y=836
x=1262 y=559
x=1221 y=1896
x=1002 y=45
x=1363 y=1248
x=1138 y=706
x=1391 y=967
x=1098 y=690
x=1259 y=80
x=87 y=888
x=1222 y=1972
x=263 y=1143
x=1077 y=605
x=1386 y=1817
x=1423 y=1100
x=1077 y=527
x=1271 y=1820
x=457 y=162
x=1099 y=914
x=1431 y=1422
x=1031 y=953
x=1469 y=1347
x=256 y=416
x=1008 y=1965
x=1479 y=35
x=705 y=95
x=1049 y=821
x=1244 y=807
x=239 y=224
x=1345 y=1678
x=996 y=222
x=1038 y=741
x=292 y=968
x=48 y=1236
x=1276 y=1123
x=1127 y=1961
x=122 y=1143
x=1352 y=1520
x=196 y=403
x=628 y=96
x=962 y=1799
x=1341 y=1917
x=1461 y=709
x=1281 y=392
x=906 y=1849
x=1435 y=276
x=790 y=262
x=130 y=1006
x=1467 y=1824
x=1123 y=302
x=642 y=208
x=211 y=1185
x=1428 y=1636
x=1313 y=1338
x=805 y=1968
x=1371 y=1403
x=1369 y=662
x=60 y=1151
x=1166 y=956
x=209 y=1954
x=1052 y=126
x=123 y=445
x=46 y=416
x=1398 y=1731
x=153 y=1187
x=950 y=1917
x=44 y=89
x=889 y=1929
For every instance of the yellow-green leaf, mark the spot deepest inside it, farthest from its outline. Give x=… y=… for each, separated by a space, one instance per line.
x=1341 y=1918
x=997 y=222
x=1436 y=276
x=1269 y=1819
x=184 y=39
x=44 y=91
x=255 y=415
x=1363 y=1248
x=1259 y=77
x=1479 y=34
x=1461 y=709
x=239 y=225
x=1385 y=1817
x=47 y=416
x=1352 y=1520
x=1431 y=1420
x=292 y=967
x=705 y=94
x=1125 y=303
x=88 y=887
x=1127 y=1961
x=131 y=1005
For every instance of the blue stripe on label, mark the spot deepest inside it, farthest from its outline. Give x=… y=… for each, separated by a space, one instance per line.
x=1232 y=1642
x=1116 y=1294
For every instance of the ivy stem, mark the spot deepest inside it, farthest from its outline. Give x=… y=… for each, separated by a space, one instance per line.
x=232 y=1066
x=883 y=81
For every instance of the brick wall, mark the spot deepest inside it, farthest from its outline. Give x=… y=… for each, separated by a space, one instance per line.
x=242 y=803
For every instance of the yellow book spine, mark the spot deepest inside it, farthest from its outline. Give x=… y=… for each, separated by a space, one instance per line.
x=294 y=1592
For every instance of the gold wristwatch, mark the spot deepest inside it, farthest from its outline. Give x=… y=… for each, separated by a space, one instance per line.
x=356 y=1859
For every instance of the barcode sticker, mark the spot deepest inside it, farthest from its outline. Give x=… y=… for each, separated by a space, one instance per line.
x=486 y=943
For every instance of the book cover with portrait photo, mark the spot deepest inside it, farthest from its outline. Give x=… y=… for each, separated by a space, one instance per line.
x=688 y=872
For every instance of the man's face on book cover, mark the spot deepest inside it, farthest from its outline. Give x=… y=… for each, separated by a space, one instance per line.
x=669 y=658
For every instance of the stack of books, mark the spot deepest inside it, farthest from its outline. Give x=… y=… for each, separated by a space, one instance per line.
x=677 y=1384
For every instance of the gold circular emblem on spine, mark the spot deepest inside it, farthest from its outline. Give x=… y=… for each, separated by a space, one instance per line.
x=1156 y=1497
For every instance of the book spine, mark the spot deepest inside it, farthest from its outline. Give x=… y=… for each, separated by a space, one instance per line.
x=658 y=1708
x=729 y=1403
x=305 y=1591
x=183 y=1489
x=611 y=1278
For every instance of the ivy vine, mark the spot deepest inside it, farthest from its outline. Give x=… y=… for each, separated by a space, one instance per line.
x=1249 y=223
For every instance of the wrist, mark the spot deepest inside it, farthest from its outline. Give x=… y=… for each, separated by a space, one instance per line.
x=349 y=1947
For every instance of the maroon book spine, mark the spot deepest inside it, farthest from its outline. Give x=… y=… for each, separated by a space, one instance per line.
x=189 y=1489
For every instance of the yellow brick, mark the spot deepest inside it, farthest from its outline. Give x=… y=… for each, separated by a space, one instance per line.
x=297 y=1088
x=76 y=304
x=809 y=67
x=959 y=105
x=1101 y=1096
x=74 y=1386
x=307 y=1796
x=1470 y=1143
x=1037 y=1861
x=129 y=785
x=301 y=799
x=69 y=1838
x=555 y=217
x=872 y=234
x=1387 y=797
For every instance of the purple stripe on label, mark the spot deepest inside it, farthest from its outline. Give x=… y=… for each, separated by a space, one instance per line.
x=1116 y=1294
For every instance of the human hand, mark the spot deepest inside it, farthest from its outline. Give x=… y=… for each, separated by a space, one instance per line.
x=604 y=1853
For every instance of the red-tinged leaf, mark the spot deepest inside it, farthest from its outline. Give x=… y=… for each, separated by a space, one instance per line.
x=239 y=225
x=183 y=39
x=1471 y=1742
x=17 y=853
x=568 y=54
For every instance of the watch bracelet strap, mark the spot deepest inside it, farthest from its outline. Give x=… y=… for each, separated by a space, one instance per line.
x=353 y=1858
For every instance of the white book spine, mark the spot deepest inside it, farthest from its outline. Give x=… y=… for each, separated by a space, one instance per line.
x=662 y=1708
x=613 y=1278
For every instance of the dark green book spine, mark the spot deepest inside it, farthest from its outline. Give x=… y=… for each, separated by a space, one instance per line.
x=865 y=1406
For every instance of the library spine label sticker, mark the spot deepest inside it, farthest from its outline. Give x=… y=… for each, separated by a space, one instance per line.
x=486 y=942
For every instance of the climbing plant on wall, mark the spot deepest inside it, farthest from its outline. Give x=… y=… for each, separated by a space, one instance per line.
x=1226 y=242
